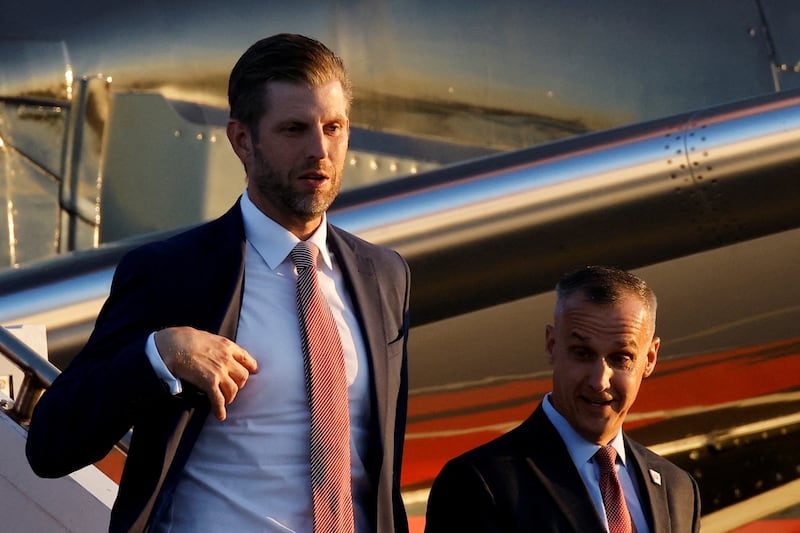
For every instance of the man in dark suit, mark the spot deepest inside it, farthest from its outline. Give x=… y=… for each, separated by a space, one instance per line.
x=193 y=319
x=545 y=475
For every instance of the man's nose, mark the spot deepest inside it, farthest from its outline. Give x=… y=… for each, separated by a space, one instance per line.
x=600 y=374
x=317 y=144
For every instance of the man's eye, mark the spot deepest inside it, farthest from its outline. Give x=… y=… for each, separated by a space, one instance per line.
x=292 y=129
x=581 y=353
x=621 y=361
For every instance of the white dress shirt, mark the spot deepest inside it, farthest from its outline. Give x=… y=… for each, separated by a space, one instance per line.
x=251 y=471
x=582 y=452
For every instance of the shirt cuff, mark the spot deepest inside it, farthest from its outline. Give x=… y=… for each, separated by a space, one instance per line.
x=172 y=383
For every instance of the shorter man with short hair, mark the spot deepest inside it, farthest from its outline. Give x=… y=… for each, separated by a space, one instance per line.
x=548 y=473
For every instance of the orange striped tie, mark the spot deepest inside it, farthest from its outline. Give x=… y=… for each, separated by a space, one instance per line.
x=326 y=388
x=619 y=519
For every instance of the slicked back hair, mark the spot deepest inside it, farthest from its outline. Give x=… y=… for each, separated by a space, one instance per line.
x=283 y=57
x=604 y=286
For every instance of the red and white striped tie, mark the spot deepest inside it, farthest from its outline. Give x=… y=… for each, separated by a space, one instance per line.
x=619 y=519
x=326 y=388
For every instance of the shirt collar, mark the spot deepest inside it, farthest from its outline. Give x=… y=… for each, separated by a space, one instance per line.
x=580 y=449
x=274 y=242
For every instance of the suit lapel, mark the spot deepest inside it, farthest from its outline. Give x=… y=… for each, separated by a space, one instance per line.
x=224 y=249
x=226 y=244
x=362 y=282
x=547 y=459
x=652 y=489
x=229 y=321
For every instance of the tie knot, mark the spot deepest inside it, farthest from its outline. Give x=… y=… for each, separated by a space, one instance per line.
x=304 y=254
x=606 y=456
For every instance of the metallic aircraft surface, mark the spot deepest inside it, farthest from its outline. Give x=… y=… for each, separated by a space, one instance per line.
x=80 y=84
x=496 y=145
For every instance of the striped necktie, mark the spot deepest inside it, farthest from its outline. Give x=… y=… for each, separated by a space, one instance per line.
x=326 y=388
x=619 y=519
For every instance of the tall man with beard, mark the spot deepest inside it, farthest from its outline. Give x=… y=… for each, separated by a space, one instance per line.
x=206 y=323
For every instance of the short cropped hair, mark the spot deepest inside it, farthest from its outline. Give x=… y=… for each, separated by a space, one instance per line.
x=284 y=57
x=605 y=285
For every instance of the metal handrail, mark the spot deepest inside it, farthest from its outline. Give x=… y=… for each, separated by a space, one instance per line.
x=38 y=372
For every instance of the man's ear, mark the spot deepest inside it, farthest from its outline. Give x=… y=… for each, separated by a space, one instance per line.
x=549 y=342
x=652 y=356
x=241 y=140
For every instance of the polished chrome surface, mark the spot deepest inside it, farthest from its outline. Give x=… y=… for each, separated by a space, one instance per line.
x=553 y=71
x=421 y=75
x=39 y=373
x=505 y=227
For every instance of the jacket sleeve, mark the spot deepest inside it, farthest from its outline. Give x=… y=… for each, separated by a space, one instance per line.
x=107 y=387
x=461 y=500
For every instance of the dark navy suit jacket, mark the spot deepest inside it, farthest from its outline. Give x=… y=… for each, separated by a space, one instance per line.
x=525 y=481
x=195 y=279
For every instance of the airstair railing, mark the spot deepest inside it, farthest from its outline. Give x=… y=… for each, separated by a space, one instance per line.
x=38 y=373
